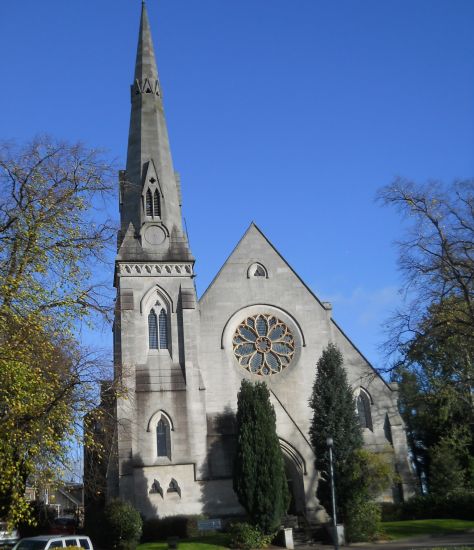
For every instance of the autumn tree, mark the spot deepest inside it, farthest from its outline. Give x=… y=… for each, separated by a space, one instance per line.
x=432 y=337
x=50 y=245
x=259 y=471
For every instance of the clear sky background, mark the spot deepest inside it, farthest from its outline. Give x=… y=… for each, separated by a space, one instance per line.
x=291 y=113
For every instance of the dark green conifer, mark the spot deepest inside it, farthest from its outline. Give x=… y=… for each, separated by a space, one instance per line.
x=334 y=415
x=259 y=472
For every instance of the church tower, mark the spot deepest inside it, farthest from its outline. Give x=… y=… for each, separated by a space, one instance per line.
x=156 y=324
x=181 y=362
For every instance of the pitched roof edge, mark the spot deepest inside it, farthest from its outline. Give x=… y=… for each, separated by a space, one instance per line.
x=216 y=276
x=361 y=354
x=253 y=224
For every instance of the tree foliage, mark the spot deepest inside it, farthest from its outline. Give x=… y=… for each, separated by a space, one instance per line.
x=360 y=475
x=259 y=472
x=432 y=338
x=49 y=246
x=435 y=257
x=334 y=415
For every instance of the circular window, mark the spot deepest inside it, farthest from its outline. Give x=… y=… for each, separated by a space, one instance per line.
x=263 y=344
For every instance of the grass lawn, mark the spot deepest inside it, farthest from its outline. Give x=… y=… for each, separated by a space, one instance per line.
x=217 y=541
x=414 y=528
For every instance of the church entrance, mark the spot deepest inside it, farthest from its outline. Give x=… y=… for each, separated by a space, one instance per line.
x=294 y=477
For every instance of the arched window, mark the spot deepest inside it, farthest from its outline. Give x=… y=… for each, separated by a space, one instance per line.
x=163 y=440
x=156 y=204
x=363 y=410
x=152 y=330
x=148 y=204
x=387 y=430
x=163 y=329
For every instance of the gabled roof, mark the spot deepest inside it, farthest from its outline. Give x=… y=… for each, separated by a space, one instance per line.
x=253 y=226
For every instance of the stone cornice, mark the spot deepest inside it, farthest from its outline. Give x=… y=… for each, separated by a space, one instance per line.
x=150 y=269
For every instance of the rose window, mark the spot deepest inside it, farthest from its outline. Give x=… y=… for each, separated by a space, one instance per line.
x=263 y=344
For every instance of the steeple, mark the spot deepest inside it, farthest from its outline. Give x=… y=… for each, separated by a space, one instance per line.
x=150 y=203
x=145 y=65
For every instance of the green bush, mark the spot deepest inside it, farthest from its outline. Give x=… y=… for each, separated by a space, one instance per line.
x=123 y=525
x=456 y=506
x=247 y=537
x=155 y=529
x=391 y=511
x=362 y=520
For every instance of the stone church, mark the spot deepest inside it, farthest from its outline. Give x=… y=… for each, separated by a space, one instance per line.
x=182 y=358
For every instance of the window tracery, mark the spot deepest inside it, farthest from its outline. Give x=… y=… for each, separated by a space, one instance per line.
x=263 y=344
x=257 y=270
x=152 y=200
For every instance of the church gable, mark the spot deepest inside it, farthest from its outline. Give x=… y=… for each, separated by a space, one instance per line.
x=256 y=285
x=252 y=263
x=257 y=292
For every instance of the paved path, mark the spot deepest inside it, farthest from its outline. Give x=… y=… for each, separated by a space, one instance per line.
x=433 y=541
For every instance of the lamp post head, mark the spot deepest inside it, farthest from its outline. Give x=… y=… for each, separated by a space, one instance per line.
x=329 y=442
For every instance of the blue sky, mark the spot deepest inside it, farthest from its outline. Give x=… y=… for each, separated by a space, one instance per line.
x=291 y=113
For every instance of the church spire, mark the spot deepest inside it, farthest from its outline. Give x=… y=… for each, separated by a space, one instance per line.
x=155 y=222
x=145 y=65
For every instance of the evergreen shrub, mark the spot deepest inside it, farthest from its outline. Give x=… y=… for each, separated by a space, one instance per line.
x=334 y=415
x=156 y=529
x=259 y=470
x=362 y=520
x=248 y=537
x=123 y=525
x=391 y=511
x=455 y=506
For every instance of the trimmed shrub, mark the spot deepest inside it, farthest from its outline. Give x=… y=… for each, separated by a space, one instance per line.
x=123 y=525
x=184 y=527
x=456 y=506
x=247 y=537
x=362 y=520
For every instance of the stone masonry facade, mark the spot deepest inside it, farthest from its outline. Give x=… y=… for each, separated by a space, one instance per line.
x=181 y=360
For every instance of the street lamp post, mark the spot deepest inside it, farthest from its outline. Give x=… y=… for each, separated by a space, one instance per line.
x=330 y=443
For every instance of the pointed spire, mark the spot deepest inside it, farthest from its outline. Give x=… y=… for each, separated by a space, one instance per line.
x=145 y=65
x=149 y=163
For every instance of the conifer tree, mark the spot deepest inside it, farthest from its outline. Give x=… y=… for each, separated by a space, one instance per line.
x=259 y=472
x=334 y=415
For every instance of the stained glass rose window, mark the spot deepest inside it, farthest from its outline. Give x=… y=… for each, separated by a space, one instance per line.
x=263 y=344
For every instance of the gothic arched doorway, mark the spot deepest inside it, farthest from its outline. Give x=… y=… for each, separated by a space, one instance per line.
x=295 y=468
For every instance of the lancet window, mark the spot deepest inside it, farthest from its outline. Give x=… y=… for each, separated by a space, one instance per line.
x=163 y=322
x=156 y=204
x=387 y=430
x=148 y=203
x=152 y=203
x=152 y=330
x=158 y=330
x=163 y=438
x=363 y=410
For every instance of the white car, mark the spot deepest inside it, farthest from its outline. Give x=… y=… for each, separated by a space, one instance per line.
x=8 y=537
x=45 y=542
